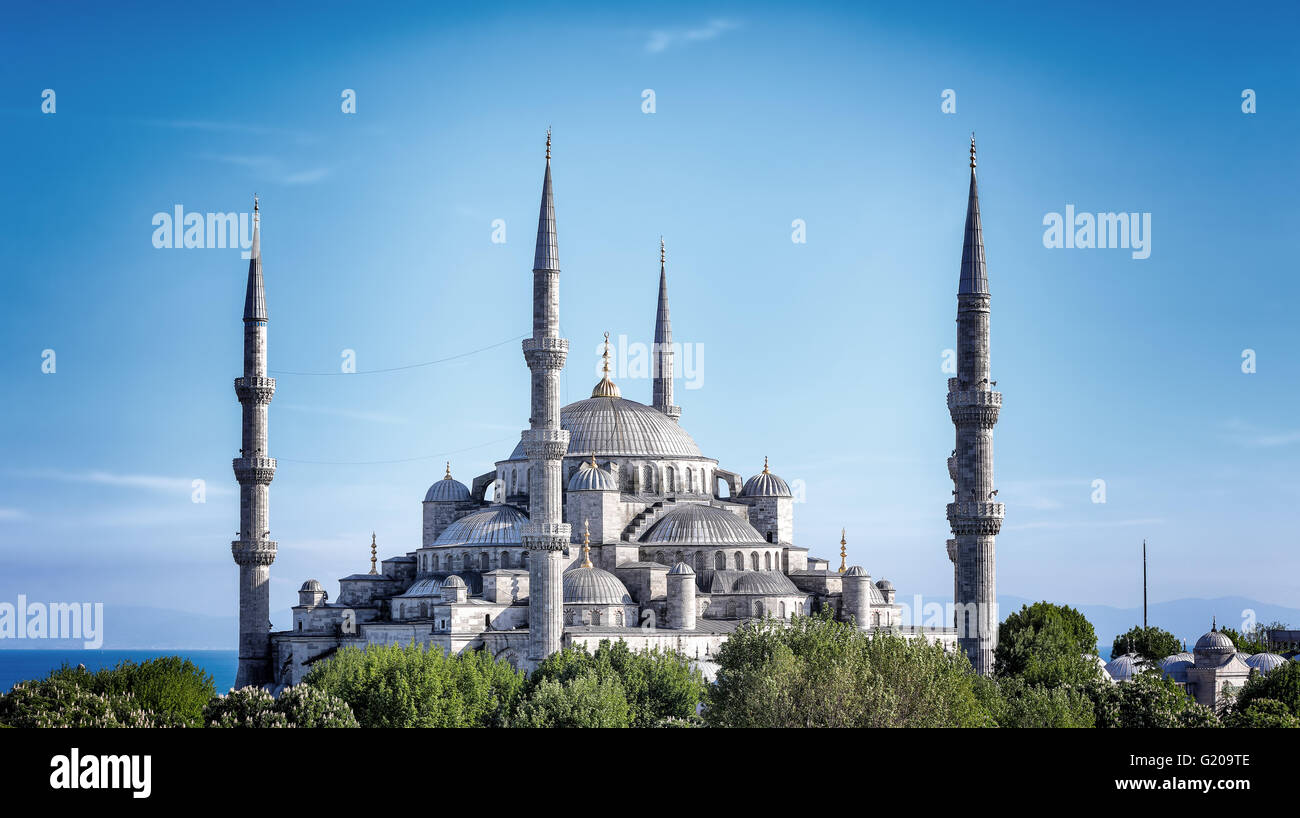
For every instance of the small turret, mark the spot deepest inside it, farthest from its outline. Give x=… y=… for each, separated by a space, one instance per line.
x=681 y=597
x=856 y=605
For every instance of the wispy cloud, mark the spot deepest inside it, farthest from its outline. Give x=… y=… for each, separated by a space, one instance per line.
x=148 y=482
x=664 y=39
x=272 y=168
x=213 y=126
x=12 y=514
x=1246 y=434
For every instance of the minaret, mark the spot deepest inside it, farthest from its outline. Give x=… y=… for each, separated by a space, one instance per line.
x=663 y=351
x=253 y=551
x=545 y=535
x=974 y=515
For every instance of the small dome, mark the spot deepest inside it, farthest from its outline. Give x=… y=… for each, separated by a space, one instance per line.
x=698 y=524
x=1124 y=668
x=1100 y=664
x=1176 y=668
x=312 y=586
x=495 y=525
x=447 y=490
x=1215 y=645
x=857 y=571
x=765 y=484
x=681 y=569
x=453 y=581
x=1184 y=656
x=764 y=583
x=590 y=477
x=885 y=585
x=594 y=586
x=1266 y=662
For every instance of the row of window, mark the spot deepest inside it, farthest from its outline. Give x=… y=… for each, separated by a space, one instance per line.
x=646 y=478
x=738 y=562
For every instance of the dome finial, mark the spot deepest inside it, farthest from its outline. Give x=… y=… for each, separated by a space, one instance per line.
x=586 y=545
x=844 y=551
x=254 y=202
x=373 y=549
x=593 y=461
x=972 y=150
x=548 y=143
x=447 y=476
x=662 y=252
x=765 y=471
x=1214 y=624
x=606 y=388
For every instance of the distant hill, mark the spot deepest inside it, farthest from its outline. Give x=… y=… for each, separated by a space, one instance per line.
x=128 y=627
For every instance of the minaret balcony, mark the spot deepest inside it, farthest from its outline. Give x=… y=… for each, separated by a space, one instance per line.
x=976 y=517
x=546 y=536
x=253 y=552
x=973 y=406
x=546 y=352
x=254 y=469
x=259 y=390
x=545 y=444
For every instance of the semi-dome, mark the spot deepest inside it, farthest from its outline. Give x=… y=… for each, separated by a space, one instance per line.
x=312 y=586
x=590 y=477
x=611 y=426
x=885 y=585
x=594 y=586
x=765 y=484
x=699 y=524
x=447 y=490
x=429 y=586
x=764 y=583
x=1266 y=662
x=857 y=571
x=495 y=525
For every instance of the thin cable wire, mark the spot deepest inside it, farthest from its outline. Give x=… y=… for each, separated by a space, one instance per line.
x=407 y=366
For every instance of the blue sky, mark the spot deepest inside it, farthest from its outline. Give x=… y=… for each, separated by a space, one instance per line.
x=824 y=356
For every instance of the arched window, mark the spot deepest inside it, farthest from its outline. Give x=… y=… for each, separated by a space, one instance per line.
x=433 y=562
x=767 y=560
x=719 y=560
x=595 y=617
x=758 y=608
x=618 y=618
x=648 y=479
x=769 y=536
x=739 y=561
x=661 y=557
x=731 y=609
x=484 y=561
x=514 y=481
x=487 y=620
x=424 y=610
x=466 y=561
x=700 y=562
x=753 y=560
x=672 y=479
x=783 y=610
x=505 y=559
x=690 y=479
x=678 y=557
x=875 y=619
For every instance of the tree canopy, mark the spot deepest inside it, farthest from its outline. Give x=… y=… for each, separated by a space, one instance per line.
x=1047 y=644
x=1152 y=643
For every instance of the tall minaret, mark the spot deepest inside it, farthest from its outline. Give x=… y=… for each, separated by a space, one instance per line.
x=253 y=551
x=545 y=535
x=974 y=515
x=663 y=352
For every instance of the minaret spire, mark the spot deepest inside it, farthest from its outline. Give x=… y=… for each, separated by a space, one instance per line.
x=663 y=349
x=545 y=535
x=254 y=469
x=974 y=515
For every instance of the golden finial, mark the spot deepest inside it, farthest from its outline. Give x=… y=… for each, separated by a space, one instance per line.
x=765 y=471
x=373 y=549
x=593 y=460
x=661 y=251
x=844 y=551
x=586 y=545
x=548 y=143
x=447 y=476
x=606 y=388
x=972 y=150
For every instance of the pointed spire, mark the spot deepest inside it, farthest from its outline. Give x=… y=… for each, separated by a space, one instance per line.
x=844 y=551
x=373 y=548
x=255 y=297
x=586 y=545
x=974 y=274
x=547 y=255
x=606 y=388
x=662 y=388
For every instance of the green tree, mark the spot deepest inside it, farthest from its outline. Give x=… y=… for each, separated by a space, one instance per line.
x=1267 y=713
x=1150 y=643
x=1014 y=703
x=167 y=691
x=658 y=685
x=1255 y=638
x=1047 y=644
x=816 y=672
x=60 y=702
x=1282 y=685
x=1147 y=700
x=300 y=706
x=411 y=686
x=584 y=701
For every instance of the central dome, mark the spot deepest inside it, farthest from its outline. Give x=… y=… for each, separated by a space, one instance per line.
x=620 y=427
x=698 y=524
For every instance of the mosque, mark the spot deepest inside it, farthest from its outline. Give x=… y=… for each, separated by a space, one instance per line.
x=607 y=521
